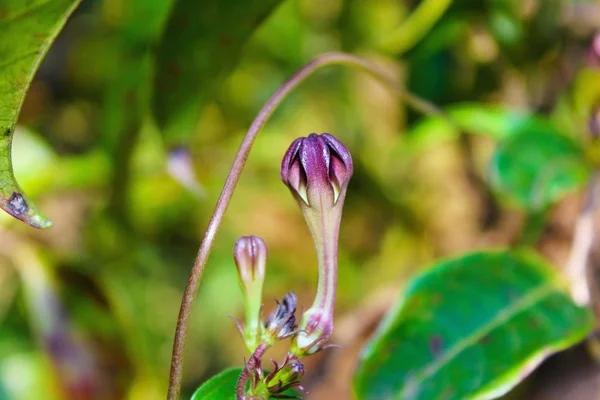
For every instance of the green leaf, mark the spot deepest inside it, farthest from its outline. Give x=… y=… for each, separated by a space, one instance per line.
x=536 y=167
x=221 y=386
x=497 y=122
x=202 y=44
x=471 y=328
x=28 y=29
x=534 y=164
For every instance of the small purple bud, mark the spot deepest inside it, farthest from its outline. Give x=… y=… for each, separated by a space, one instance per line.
x=250 y=254
x=281 y=323
x=316 y=166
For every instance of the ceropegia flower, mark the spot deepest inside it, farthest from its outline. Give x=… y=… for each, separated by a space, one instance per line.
x=250 y=254
x=317 y=170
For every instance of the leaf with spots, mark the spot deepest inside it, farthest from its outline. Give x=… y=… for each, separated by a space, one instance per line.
x=28 y=29
x=471 y=328
x=202 y=43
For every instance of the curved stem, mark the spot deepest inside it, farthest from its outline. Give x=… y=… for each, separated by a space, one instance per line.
x=234 y=175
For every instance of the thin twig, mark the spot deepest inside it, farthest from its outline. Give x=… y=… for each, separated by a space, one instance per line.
x=234 y=175
x=583 y=240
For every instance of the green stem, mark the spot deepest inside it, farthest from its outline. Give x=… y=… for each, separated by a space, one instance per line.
x=197 y=271
x=535 y=223
x=422 y=19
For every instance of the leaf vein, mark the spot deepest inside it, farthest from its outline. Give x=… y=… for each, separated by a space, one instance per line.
x=19 y=58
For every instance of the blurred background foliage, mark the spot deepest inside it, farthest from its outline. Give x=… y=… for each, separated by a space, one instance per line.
x=88 y=307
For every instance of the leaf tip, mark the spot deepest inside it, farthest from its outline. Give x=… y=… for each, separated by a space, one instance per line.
x=18 y=206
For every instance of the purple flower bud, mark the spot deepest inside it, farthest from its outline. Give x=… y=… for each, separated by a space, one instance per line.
x=317 y=166
x=317 y=169
x=281 y=323
x=250 y=254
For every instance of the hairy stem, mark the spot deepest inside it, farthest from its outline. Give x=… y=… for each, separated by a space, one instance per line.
x=254 y=361
x=234 y=175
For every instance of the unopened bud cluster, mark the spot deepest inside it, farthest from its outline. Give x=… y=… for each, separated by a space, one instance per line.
x=281 y=378
x=317 y=170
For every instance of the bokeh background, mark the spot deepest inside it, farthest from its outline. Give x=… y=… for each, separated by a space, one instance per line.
x=88 y=308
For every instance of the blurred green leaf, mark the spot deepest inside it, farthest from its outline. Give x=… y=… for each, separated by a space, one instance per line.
x=126 y=99
x=221 y=386
x=537 y=167
x=28 y=30
x=497 y=122
x=534 y=164
x=471 y=327
x=202 y=43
